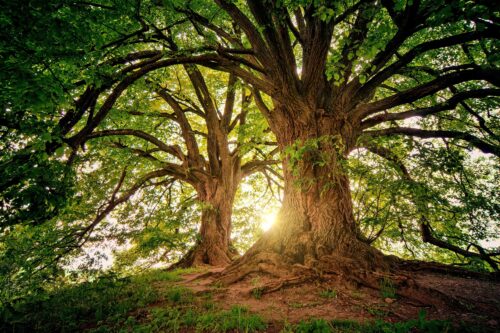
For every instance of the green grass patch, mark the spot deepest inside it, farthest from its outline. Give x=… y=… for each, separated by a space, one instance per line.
x=419 y=325
x=116 y=304
x=328 y=293
x=387 y=288
x=237 y=318
x=179 y=295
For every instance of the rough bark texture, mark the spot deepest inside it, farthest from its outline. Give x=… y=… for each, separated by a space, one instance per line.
x=214 y=240
x=315 y=228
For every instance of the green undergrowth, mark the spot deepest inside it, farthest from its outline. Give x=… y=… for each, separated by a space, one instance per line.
x=420 y=325
x=154 y=302
x=150 y=302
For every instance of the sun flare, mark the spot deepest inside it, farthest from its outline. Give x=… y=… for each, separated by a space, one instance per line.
x=268 y=220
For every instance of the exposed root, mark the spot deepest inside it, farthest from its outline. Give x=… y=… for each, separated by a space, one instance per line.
x=205 y=255
x=280 y=284
x=434 y=267
x=346 y=272
x=265 y=263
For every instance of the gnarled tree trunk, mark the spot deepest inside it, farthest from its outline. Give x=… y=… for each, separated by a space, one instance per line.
x=315 y=228
x=213 y=246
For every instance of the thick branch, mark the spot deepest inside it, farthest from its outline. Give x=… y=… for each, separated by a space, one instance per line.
x=78 y=138
x=172 y=150
x=372 y=84
x=427 y=89
x=485 y=147
x=250 y=30
x=450 y=104
x=186 y=130
x=256 y=166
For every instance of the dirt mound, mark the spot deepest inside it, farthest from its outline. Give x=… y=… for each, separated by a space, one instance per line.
x=458 y=299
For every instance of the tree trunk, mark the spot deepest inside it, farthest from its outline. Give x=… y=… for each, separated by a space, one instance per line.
x=315 y=228
x=213 y=246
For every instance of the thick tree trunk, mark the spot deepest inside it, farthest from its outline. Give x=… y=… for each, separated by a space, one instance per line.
x=213 y=246
x=315 y=223
x=315 y=228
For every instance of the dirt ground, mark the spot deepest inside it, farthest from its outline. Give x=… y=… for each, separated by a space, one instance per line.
x=464 y=300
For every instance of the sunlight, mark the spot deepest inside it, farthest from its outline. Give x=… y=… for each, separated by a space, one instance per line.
x=267 y=220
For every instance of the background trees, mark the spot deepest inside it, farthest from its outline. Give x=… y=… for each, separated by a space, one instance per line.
x=195 y=139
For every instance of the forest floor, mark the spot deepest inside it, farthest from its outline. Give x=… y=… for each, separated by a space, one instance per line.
x=191 y=300
x=472 y=302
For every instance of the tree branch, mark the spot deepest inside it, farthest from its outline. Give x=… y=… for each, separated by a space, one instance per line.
x=427 y=89
x=172 y=150
x=485 y=147
x=450 y=104
x=367 y=89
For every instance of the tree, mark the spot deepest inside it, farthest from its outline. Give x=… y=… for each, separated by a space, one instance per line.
x=330 y=77
x=195 y=142
x=116 y=41
x=338 y=75
x=58 y=85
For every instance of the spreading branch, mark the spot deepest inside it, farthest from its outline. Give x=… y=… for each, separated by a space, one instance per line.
x=482 y=145
x=425 y=227
x=450 y=104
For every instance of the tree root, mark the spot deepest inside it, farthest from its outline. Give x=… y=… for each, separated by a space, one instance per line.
x=202 y=255
x=434 y=267
x=277 y=285
x=344 y=271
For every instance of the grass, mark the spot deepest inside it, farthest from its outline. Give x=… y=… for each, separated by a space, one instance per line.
x=237 y=318
x=149 y=302
x=179 y=295
x=152 y=302
x=377 y=311
x=257 y=293
x=174 y=320
x=328 y=293
x=257 y=290
x=419 y=325
x=387 y=288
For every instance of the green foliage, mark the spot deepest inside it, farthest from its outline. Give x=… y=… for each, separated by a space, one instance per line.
x=179 y=295
x=419 y=325
x=108 y=298
x=313 y=326
x=326 y=153
x=34 y=188
x=321 y=151
x=347 y=326
x=40 y=66
x=116 y=304
x=237 y=318
x=447 y=186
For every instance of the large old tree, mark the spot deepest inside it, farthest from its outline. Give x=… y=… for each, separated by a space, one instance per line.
x=55 y=102
x=331 y=77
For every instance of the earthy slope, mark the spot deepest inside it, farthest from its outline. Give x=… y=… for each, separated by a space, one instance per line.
x=457 y=299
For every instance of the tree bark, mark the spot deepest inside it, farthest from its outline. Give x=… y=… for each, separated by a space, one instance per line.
x=315 y=228
x=213 y=246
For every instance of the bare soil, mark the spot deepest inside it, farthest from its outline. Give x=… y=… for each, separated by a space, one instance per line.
x=463 y=300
